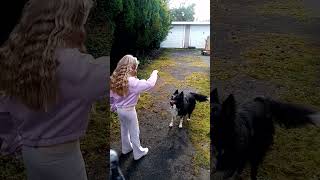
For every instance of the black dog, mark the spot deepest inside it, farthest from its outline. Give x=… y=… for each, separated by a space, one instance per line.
x=243 y=135
x=183 y=105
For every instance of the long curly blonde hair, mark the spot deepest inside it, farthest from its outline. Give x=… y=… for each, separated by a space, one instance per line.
x=126 y=67
x=27 y=59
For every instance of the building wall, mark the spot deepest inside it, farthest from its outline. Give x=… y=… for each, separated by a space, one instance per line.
x=175 y=38
x=186 y=35
x=198 y=35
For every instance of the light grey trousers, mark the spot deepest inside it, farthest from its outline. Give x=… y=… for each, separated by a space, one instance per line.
x=130 y=132
x=59 y=162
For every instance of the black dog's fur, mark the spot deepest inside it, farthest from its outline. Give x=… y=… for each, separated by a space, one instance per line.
x=243 y=135
x=186 y=103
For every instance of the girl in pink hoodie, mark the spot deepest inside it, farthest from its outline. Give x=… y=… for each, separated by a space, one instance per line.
x=125 y=89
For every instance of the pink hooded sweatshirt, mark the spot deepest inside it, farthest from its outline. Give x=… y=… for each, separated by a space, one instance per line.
x=136 y=86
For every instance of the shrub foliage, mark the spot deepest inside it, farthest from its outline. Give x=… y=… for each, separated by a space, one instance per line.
x=139 y=26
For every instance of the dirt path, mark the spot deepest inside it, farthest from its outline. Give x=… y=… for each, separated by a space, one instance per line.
x=256 y=47
x=235 y=25
x=170 y=149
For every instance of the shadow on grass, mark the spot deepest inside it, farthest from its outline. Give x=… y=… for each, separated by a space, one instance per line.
x=292 y=63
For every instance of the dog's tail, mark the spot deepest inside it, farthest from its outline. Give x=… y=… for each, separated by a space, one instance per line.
x=291 y=115
x=200 y=97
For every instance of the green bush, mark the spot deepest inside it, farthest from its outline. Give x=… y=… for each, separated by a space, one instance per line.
x=101 y=25
x=139 y=28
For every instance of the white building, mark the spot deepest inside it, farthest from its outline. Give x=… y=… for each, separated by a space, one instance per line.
x=187 y=34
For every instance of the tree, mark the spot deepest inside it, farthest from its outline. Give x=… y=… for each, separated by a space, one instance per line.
x=121 y=27
x=139 y=28
x=101 y=26
x=183 y=13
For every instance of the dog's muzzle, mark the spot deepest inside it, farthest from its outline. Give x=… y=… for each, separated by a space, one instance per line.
x=172 y=103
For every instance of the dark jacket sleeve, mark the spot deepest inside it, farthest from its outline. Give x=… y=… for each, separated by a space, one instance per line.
x=85 y=76
x=7 y=128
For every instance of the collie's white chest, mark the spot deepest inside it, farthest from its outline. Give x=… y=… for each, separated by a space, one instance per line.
x=174 y=110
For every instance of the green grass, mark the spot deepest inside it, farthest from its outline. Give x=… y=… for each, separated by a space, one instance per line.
x=292 y=63
x=192 y=61
x=114 y=125
x=295 y=155
x=200 y=64
x=288 y=61
x=161 y=63
x=95 y=143
x=289 y=8
x=223 y=70
x=200 y=81
x=11 y=168
x=199 y=126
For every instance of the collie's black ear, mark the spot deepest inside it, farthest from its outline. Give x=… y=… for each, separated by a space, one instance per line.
x=229 y=107
x=181 y=94
x=176 y=92
x=230 y=100
x=214 y=96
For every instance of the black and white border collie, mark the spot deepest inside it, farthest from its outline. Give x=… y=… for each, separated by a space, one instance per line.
x=243 y=134
x=182 y=105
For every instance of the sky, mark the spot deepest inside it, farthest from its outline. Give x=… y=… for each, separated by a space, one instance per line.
x=202 y=8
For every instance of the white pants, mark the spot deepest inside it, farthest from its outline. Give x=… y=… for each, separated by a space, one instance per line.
x=130 y=131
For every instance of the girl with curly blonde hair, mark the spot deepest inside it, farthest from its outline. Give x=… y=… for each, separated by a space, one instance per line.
x=47 y=86
x=125 y=89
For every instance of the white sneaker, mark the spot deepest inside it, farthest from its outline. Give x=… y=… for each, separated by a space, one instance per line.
x=171 y=124
x=126 y=152
x=145 y=152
